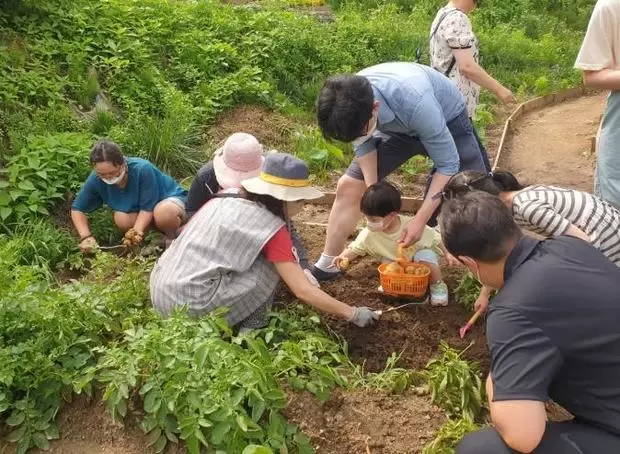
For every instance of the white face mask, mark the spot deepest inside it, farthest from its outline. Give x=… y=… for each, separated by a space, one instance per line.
x=360 y=140
x=115 y=179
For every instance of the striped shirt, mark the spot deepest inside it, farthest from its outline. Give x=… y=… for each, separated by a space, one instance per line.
x=550 y=211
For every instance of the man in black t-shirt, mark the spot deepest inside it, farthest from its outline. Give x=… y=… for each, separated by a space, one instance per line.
x=553 y=332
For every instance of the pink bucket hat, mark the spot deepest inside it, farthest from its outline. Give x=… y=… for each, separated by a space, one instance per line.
x=240 y=158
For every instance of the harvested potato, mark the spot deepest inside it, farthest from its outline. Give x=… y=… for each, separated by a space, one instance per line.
x=344 y=264
x=394 y=267
x=411 y=269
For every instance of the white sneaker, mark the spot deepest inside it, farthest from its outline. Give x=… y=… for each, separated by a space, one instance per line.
x=439 y=294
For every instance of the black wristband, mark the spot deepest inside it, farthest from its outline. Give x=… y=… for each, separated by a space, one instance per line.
x=82 y=238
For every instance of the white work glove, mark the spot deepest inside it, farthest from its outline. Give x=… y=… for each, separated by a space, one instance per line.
x=363 y=316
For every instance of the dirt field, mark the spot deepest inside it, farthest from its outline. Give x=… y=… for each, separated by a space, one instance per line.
x=548 y=147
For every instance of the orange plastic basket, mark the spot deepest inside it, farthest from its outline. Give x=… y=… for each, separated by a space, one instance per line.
x=405 y=283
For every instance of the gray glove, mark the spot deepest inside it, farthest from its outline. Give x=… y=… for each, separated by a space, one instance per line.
x=363 y=316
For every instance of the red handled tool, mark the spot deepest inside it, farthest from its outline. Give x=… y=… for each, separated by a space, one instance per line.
x=471 y=322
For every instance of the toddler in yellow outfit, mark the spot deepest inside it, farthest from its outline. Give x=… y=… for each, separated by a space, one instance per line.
x=380 y=205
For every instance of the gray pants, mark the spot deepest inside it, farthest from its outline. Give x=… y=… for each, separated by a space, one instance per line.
x=559 y=438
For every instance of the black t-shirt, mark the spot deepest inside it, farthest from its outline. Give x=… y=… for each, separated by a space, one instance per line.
x=203 y=188
x=554 y=329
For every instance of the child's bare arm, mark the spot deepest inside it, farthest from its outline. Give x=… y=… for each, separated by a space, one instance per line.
x=345 y=258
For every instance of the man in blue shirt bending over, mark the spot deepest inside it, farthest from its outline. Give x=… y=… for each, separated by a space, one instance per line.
x=391 y=112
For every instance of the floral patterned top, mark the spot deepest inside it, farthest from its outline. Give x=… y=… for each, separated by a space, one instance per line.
x=454 y=32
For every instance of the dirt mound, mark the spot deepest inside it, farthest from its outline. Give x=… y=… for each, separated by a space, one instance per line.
x=365 y=421
x=270 y=128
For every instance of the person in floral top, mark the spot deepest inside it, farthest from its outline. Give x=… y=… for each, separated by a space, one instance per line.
x=455 y=53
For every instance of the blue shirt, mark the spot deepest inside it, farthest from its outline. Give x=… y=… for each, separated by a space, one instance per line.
x=418 y=101
x=146 y=187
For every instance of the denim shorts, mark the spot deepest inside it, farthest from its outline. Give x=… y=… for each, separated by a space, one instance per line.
x=393 y=149
x=178 y=202
x=426 y=255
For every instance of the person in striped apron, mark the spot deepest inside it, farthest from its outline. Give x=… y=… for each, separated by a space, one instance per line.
x=546 y=210
x=236 y=248
x=240 y=157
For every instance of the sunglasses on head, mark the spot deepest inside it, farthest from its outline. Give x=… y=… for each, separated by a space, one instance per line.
x=459 y=190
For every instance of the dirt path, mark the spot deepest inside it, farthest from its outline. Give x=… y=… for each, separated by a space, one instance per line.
x=552 y=145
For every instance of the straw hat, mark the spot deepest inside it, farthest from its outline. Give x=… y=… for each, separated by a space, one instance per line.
x=240 y=158
x=283 y=177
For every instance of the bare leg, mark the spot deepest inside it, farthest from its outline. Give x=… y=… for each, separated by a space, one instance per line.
x=344 y=214
x=435 y=271
x=124 y=221
x=167 y=216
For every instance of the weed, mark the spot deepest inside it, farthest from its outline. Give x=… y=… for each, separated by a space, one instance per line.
x=454 y=383
x=449 y=436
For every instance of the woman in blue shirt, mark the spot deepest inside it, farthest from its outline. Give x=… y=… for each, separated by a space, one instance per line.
x=138 y=192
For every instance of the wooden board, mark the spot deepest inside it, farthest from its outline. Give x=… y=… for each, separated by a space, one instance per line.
x=410 y=204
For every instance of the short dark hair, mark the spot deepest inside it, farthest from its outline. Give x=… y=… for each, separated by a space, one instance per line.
x=478 y=225
x=344 y=107
x=493 y=183
x=381 y=199
x=106 y=151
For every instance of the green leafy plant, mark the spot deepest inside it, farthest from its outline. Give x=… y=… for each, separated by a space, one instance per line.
x=454 y=383
x=48 y=340
x=199 y=387
x=467 y=290
x=392 y=378
x=449 y=436
x=41 y=174
x=320 y=154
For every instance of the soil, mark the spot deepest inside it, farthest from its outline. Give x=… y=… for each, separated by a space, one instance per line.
x=271 y=128
x=87 y=428
x=414 y=331
x=366 y=421
x=552 y=146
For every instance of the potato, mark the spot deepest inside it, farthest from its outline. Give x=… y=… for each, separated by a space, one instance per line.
x=394 y=267
x=411 y=269
x=344 y=264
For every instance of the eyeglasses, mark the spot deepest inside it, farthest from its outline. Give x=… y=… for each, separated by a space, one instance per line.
x=459 y=190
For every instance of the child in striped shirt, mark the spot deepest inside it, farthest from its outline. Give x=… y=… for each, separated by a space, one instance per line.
x=547 y=210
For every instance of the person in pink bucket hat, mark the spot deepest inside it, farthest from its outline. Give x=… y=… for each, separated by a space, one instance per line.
x=240 y=157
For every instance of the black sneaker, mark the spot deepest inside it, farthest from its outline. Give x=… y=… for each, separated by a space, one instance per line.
x=324 y=276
